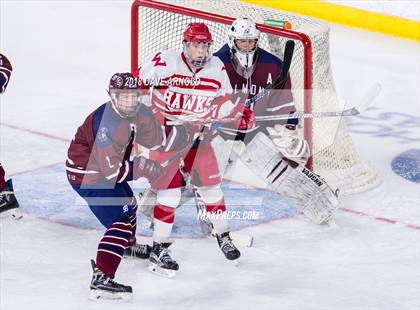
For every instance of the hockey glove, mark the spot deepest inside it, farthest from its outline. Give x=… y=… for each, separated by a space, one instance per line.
x=150 y=169
x=247 y=120
x=289 y=143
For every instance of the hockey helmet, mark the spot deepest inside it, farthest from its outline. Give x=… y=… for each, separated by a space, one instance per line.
x=197 y=34
x=125 y=95
x=245 y=29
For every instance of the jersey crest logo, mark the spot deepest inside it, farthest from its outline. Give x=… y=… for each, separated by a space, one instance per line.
x=103 y=134
x=158 y=61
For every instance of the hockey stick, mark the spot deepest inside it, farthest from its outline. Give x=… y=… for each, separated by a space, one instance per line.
x=278 y=83
x=182 y=151
x=205 y=223
x=366 y=101
x=177 y=155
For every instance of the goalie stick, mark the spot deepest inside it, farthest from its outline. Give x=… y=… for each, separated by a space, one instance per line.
x=368 y=98
x=281 y=80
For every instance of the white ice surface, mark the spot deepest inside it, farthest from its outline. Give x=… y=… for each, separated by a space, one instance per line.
x=64 y=53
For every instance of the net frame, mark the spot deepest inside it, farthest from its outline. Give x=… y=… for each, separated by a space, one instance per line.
x=303 y=38
x=334 y=157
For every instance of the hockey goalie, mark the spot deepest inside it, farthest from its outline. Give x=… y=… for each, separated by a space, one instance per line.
x=273 y=150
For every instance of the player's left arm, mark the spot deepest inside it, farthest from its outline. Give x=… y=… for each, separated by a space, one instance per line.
x=153 y=134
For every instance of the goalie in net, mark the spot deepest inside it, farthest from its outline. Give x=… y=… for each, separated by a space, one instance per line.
x=272 y=149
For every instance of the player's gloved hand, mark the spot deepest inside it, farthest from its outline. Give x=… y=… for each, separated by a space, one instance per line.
x=204 y=136
x=247 y=120
x=150 y=169
x=177 y=137
x=289 y=143
x=200 y=133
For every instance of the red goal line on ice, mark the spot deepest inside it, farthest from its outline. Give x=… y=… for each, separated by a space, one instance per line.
x=35 y=132
x=379 y=218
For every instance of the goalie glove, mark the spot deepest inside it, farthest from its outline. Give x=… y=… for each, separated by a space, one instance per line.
x=289 y=144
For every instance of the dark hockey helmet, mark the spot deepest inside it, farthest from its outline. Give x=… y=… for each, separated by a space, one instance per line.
x=197 y=34
x=125 y=94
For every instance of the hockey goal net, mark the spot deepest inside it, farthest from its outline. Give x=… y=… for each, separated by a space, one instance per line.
x=159 y=26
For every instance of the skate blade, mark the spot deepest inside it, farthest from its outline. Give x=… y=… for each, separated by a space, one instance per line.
x=235 y=262
x=327 y=221
x=135 y=258
x=104 y=295
x=15 y=214
x=166 y=273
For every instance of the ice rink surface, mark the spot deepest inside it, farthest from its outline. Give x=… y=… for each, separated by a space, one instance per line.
x=64 y=53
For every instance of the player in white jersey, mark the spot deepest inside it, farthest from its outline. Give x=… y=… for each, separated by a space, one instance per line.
x=190 y=86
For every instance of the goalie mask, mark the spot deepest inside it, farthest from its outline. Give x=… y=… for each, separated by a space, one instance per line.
x=243 y=42
x=125 y=94
x=197 y=42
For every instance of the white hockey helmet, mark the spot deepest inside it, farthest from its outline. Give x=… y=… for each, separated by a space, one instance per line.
x=243 y=28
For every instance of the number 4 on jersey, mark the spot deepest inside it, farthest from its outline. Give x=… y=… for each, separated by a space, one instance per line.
x=158 y=61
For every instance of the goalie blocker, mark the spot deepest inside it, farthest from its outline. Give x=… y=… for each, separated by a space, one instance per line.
x=311 y=194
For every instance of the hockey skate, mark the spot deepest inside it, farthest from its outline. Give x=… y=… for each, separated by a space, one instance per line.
x=103 y=287
x=228 y=248
x=140 y=251
x=161 y=262
x=8 y=201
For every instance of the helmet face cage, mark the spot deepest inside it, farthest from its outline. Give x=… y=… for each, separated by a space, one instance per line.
x=244 y=29
x=125 y=94
x=197 y=63
x=126 y=102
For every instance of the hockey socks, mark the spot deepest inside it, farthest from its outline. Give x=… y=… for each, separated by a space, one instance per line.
x=112 y=245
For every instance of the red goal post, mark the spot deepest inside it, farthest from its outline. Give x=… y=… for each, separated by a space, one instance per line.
x=157 y=25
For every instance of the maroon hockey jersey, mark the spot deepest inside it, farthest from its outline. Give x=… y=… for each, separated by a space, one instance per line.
x=267 y=70
x=100 y=150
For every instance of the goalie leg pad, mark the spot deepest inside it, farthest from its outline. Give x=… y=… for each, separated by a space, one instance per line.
x=310 y=193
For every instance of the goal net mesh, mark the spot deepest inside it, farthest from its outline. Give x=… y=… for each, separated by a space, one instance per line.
x=334 y=154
